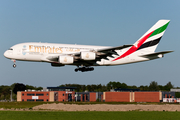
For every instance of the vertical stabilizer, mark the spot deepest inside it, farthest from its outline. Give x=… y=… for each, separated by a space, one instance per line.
x=150 y=40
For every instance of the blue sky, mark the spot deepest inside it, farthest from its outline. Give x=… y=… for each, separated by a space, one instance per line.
x=93 y=22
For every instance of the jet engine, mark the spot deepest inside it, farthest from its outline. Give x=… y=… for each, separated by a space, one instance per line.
x=66 y=59
x=88 y=55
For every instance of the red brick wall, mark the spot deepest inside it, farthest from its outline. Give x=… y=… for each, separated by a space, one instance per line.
x=45 y=97
x=65 y=97
x=117 y=96
x=62 y=96
x=24 y=97
x=81 y=97
x=85 y=97
x=146 y=96
x=92 y=97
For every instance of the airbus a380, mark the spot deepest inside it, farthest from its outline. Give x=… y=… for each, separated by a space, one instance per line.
x=85 y=56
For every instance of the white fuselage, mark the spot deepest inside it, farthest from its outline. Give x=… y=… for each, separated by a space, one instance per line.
x=39 y=52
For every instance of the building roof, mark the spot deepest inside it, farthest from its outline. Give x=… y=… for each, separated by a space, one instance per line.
x=61 y=88
x=119 y=89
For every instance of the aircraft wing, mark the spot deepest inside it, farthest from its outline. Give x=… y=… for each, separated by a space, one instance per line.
x=114 y=48
x=101 y=53
x=104 y=53
x=108 y=50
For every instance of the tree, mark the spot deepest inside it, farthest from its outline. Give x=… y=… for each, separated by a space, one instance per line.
x=132 y=87
x=144 y=88
x=109 y=85
x=124 y=85
x=5 y=93
x=104 y=88
x=168 y=86
x=153 y=86
x=19 y=87
x=89 y=88
x=30 y=87
x=161 y=87
x=99 y=87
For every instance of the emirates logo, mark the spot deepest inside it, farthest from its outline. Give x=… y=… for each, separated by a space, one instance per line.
x=65 y=59
x=87 y=55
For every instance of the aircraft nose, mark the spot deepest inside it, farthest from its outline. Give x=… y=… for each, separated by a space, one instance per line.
x=6 y=54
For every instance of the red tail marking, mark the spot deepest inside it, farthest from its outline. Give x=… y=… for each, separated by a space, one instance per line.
x=134 y=47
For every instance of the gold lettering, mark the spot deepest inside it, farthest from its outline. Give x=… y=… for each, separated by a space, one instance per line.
x=57 y=50
x=70 y=50
x=61 y=50
x=37 y=49
x=49 y=51
x=30 y=48
x=42 y=50
x=46 y=49
x=53 y=50
x=77 y=50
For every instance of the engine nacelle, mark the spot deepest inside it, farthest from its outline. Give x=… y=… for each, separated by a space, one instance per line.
x=88 y=55
x=66 y=59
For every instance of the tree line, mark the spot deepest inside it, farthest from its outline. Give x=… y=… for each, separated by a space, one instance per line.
x=153 y=86
x=5 y=91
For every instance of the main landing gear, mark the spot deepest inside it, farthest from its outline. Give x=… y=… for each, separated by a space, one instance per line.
x=84 y=69
x=14 y=65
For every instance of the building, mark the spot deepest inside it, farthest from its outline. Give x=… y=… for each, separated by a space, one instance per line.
x=50 y=94
x=89 y=96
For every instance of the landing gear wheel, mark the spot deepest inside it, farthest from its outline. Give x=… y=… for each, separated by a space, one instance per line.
x=14 y=65
x=76 y=70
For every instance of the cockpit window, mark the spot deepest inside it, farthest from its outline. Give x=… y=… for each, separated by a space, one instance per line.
x=10 y=49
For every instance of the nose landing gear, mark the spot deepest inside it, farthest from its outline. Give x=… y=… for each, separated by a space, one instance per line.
x=14 y=65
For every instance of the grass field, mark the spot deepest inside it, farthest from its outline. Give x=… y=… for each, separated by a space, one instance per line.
x=83 y=115
x=9 y=105
x=62 y=115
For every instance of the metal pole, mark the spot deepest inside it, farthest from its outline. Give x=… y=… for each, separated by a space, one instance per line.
x=11 y=95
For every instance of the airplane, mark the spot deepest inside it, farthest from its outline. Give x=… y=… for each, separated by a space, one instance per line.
x=86 y=56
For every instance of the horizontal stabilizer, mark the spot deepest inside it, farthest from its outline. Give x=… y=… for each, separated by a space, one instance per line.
x=156 y=54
